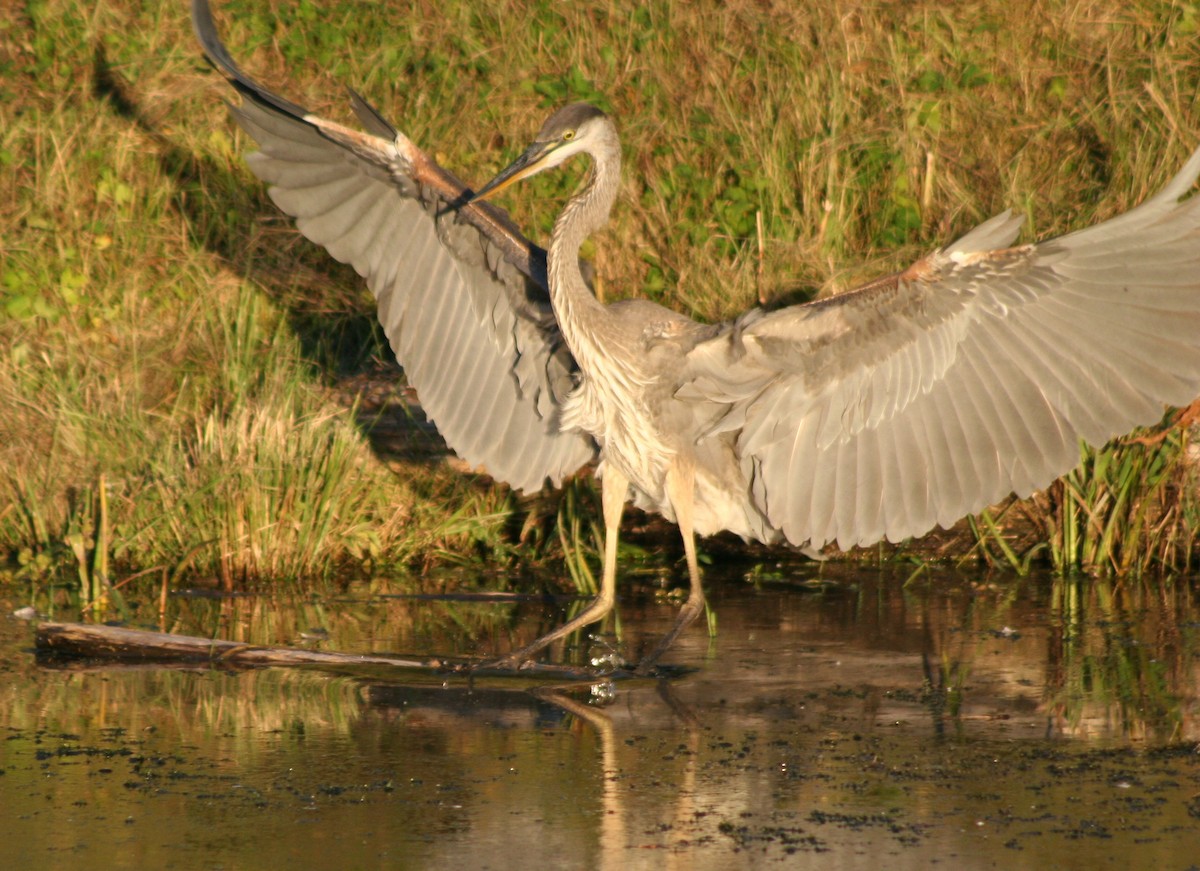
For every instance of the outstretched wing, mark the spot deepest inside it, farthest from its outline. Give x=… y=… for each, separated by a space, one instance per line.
x=929 y=395
x=461 y=293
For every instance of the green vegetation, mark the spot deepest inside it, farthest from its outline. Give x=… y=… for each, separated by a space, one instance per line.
x=178 y=369
x=1126 y=509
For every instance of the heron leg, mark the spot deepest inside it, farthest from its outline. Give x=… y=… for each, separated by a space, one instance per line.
x=614 y=487
x=681 y=486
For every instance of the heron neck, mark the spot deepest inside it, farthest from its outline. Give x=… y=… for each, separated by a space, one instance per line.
x=575 y=306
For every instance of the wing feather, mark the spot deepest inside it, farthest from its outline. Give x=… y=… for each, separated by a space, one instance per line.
x=461 y=293
x=976 y=373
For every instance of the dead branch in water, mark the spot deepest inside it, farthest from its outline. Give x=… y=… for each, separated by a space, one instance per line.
x=116 y=643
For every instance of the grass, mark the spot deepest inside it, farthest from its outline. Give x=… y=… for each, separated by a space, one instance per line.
x=172 y=351
x=1128 y=508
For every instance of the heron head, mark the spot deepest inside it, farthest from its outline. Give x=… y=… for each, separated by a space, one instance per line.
x=571 y=130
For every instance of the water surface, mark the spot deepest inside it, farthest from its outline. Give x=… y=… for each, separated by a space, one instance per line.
x=861 y=723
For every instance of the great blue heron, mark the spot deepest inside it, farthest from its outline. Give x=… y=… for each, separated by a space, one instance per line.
x=882 y=412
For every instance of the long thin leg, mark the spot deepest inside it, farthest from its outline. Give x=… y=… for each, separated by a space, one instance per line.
x=681 y=487
x=614 y=488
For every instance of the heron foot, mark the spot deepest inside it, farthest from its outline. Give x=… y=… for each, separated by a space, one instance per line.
x=692 y=608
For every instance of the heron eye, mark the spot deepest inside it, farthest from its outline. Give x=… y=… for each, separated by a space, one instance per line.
x=568 y=135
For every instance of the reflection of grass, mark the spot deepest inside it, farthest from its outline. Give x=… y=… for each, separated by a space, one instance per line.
x=1100 y=657
x=365 y=616
x=1120 y=657
x=168 y=343
x=362 y=617
x=185 y=703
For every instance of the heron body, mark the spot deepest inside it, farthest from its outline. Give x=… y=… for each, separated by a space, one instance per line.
x=879 y=413
x=632 y=354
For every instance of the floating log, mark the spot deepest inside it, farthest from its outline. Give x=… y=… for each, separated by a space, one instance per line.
x=94 y=642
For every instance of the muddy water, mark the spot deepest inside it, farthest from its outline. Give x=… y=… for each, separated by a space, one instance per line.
x=860 y=723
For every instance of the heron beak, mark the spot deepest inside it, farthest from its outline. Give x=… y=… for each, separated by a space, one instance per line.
x=531 y=162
